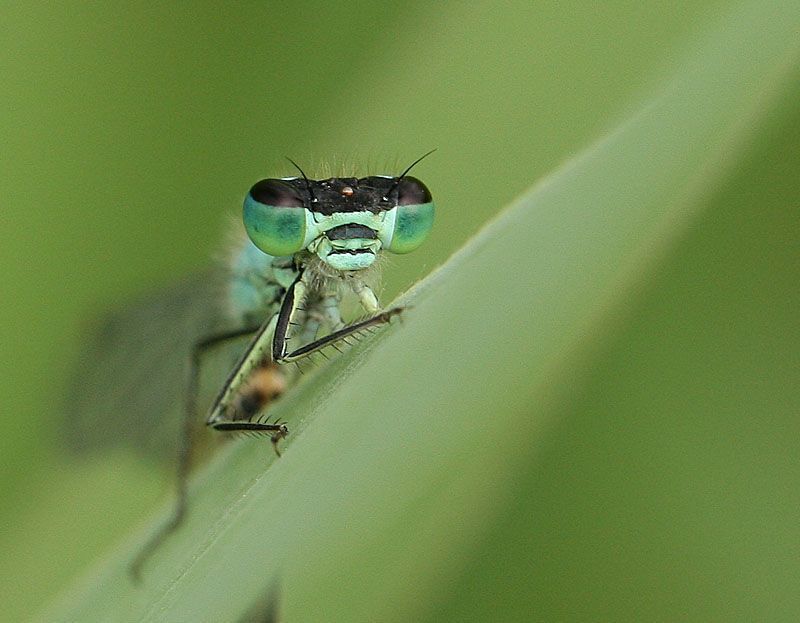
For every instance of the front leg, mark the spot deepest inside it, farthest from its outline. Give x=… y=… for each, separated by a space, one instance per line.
x=366 y=296
x=255 y=371
x=341 y=335
x=292 y=303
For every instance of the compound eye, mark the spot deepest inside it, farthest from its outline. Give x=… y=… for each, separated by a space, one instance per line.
x=411 y=191
x=276 y=193
x=275 y=217
x=414 y=216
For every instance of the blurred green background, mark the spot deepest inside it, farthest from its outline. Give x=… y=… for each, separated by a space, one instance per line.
x=130 y=135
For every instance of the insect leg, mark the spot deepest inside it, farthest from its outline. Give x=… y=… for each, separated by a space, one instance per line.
x=295 y=294
x=224 y=412
x=185 y=445
x=340 y=335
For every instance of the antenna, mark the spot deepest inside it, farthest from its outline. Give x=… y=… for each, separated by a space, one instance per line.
x=308 y=182
x=411 y=166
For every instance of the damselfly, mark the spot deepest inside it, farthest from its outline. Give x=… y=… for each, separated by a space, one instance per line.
x=309 y=243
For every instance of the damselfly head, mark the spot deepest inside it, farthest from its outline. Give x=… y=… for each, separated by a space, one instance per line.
x=345 y=221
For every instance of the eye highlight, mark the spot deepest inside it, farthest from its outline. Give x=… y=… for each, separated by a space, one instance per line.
x=275 y=218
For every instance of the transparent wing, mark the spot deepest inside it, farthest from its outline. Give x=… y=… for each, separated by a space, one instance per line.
x=130 y=382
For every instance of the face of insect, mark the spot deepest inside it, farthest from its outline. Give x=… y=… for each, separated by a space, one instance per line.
x=346 y=222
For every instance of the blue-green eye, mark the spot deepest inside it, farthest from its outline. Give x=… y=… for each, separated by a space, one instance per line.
x=414 y=216
x=275 y=218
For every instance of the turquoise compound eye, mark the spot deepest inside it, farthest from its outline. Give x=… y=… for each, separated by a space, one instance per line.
x=414 y=218
x=275 y=218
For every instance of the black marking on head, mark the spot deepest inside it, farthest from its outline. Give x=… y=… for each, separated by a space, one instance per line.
x=351 y=251
x=336 y=195
x=346 y=194
x=350 y=231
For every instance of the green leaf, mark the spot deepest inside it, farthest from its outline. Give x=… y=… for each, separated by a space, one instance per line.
x=493 y=456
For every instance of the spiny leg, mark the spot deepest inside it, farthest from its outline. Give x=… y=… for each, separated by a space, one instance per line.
x=253 y=363
x=185 y=444
x=276 y=431
x=293 y=300
x=275 y=330
x=340 y=336
x=265 y=384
